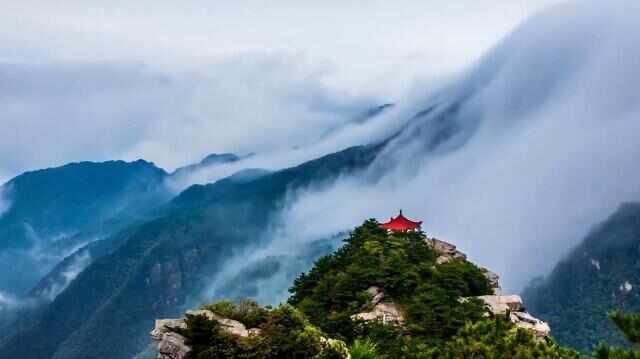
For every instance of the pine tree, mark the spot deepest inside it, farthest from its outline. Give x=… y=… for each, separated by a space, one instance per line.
x=629 y=324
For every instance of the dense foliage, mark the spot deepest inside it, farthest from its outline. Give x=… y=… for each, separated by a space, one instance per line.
x=629 y=325
x=437 y=324
x=364 y=349
x=498 y=338
x=600 y=275
x=405 y=266
x=106 y=311
x=285 y=334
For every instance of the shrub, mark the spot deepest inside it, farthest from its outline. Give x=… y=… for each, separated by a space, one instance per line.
x=364 y=349
x=285 y=334
x=404 y=265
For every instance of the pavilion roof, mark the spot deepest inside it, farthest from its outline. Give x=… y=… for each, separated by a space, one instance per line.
x=401 y=223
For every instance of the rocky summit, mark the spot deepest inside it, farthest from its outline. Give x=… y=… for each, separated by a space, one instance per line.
x=360 y=292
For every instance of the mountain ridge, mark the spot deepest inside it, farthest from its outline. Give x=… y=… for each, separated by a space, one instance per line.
x=176 y=251
x=598 y=276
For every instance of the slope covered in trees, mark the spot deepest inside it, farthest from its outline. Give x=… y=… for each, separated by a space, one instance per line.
x=602 y=274
x=107 y=309
x=326 y=301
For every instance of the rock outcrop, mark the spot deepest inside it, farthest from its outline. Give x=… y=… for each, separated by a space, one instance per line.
x=512 y=304
x=384 y=308
x=446 y=251
x=171 y=345
x=231 y=326
x=496 y=303
x=525 y=320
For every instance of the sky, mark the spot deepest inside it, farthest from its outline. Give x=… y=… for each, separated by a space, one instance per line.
x=172 y=81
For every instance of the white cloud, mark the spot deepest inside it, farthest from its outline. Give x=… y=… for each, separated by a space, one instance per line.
x=78 y=262
x=72 y=112
x=229 y=76
x=5 y=202
x=362 y=43
x=546 y=144
x=545 y=147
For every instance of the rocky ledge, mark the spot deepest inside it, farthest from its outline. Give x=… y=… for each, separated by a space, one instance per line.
x=384 y=308
x=171 y=345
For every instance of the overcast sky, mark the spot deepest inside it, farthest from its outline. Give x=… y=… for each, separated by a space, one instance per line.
x=136 y=61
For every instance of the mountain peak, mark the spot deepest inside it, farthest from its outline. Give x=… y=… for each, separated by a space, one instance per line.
x=380 y=285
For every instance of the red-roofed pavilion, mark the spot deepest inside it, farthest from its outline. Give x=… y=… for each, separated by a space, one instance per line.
x=401 y=224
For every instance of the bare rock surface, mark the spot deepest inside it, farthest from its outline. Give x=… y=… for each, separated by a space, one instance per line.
x=446 y=251
x=512 y=305
x=501 y=304
x=494 y=280
x=384 y=308
x=525 y=320
x=172 y=345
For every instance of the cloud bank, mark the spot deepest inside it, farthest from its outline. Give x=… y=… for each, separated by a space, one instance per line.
x=518 y=158
x=361 y=44
x=217 y=77
x=103 y=111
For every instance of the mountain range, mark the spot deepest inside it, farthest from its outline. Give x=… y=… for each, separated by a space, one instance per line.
x=513 y=156
x=151 y=268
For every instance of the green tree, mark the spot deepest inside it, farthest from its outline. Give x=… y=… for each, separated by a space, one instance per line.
x=498 y=338
x=364 y=349
x=285 y=334
x=405 y=267
x=629 y=325
x=437 y=323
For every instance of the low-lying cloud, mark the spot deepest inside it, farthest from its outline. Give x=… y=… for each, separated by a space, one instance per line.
x=518 y=158
x=76 y=264
x=251 y=103
x=5 y=202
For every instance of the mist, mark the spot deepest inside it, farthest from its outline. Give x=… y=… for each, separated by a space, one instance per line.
x=262 y=103
x=5 y=203
x=76 y=264
x=524 y=154
x=514 y=161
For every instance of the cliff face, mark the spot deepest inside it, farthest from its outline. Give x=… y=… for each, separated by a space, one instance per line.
x=380 y=306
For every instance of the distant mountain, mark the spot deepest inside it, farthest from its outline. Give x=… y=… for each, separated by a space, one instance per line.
x=211 y=160
x=54 y=211
x=108 y=308
x=601 y=274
